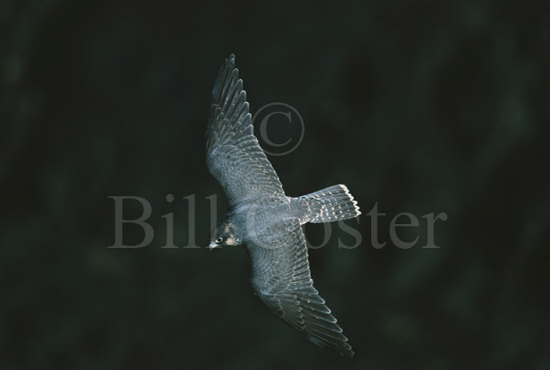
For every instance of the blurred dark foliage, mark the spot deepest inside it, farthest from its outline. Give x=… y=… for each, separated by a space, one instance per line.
x=421 y=106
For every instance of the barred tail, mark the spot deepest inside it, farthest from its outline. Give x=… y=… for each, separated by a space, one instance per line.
x=331 y=204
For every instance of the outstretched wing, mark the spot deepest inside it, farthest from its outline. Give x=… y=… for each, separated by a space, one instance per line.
x=282 y=279
x=234 y=155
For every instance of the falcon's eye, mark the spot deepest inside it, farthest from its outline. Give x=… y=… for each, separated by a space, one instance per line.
x=219 y=240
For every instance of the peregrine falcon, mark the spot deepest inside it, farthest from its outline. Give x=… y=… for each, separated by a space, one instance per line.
x=266 y=220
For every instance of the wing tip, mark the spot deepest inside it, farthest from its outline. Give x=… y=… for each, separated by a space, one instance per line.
x=344 y=349
x=348 y=353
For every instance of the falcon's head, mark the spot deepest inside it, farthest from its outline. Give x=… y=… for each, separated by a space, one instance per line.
x=225 y=236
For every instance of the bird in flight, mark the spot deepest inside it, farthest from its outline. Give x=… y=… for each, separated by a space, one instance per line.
x=266 y=220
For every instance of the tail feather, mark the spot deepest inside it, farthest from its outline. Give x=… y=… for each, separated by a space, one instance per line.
x=331 y=204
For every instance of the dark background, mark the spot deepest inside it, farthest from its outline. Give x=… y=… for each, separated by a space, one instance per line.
x=421 y=106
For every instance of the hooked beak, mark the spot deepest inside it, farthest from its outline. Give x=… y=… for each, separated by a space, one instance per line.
x=213 y=246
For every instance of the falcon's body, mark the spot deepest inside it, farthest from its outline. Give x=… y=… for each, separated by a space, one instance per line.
x=266 y=220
